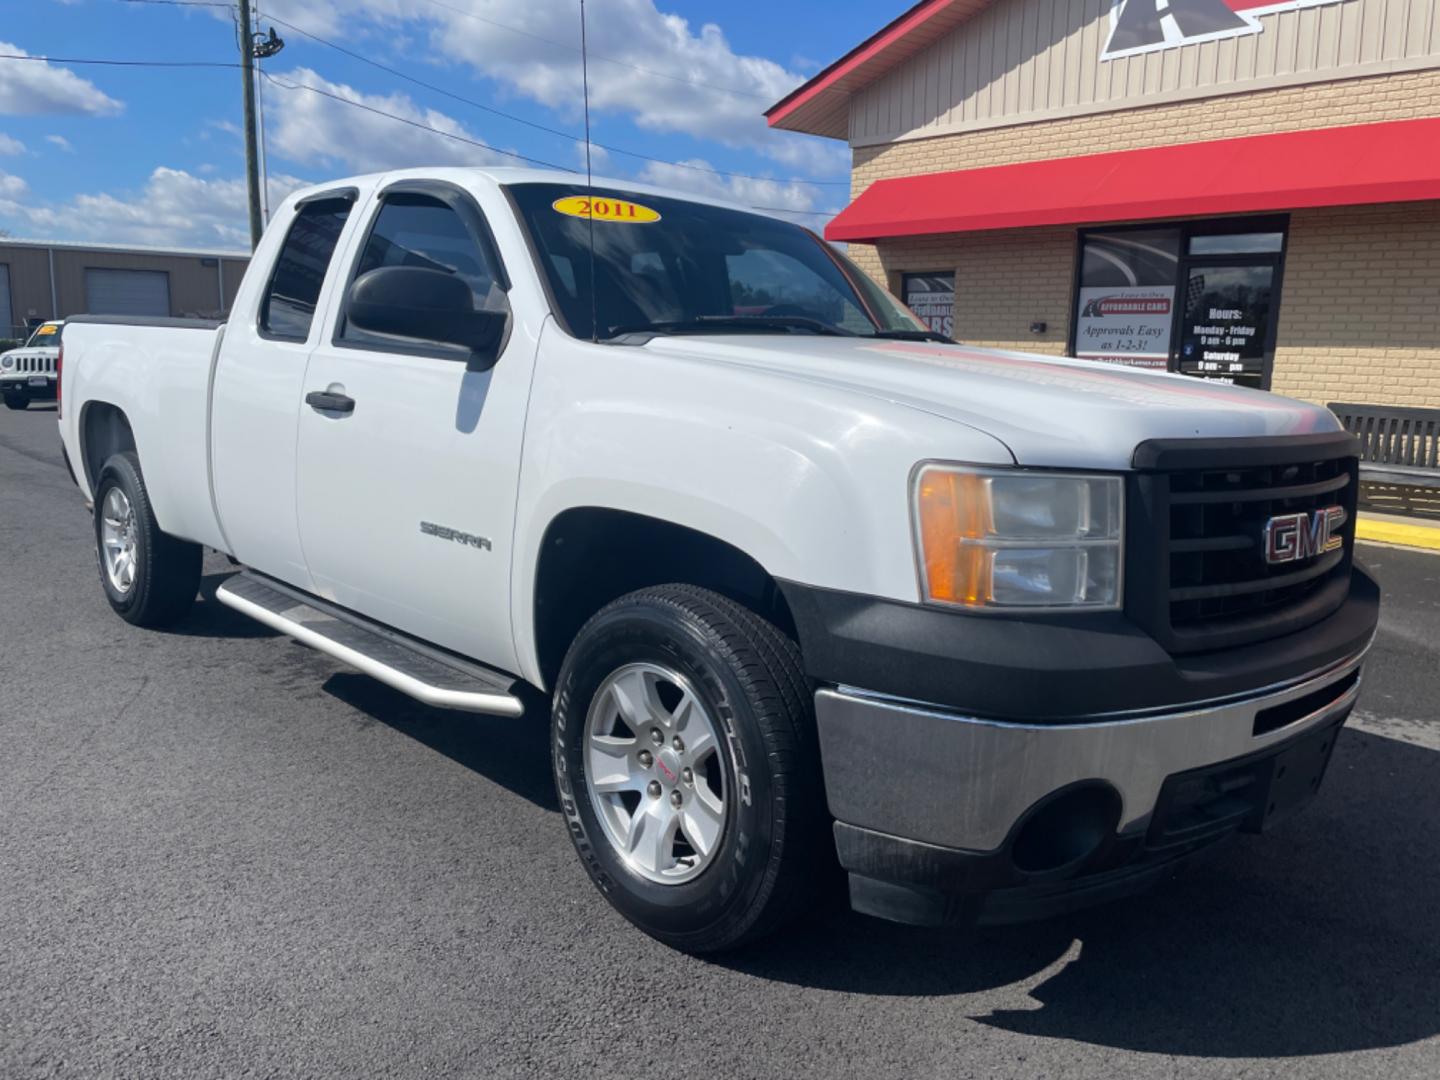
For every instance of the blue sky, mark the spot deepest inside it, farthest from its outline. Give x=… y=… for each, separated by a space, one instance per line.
x=153 y=156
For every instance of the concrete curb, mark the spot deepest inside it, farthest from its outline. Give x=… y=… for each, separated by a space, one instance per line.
x=1401 y=533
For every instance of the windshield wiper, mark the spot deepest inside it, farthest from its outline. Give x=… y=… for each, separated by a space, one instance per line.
x=914 y=335
x=704 y=324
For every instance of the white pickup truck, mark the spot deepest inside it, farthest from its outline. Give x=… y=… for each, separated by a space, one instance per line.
x=800 y=582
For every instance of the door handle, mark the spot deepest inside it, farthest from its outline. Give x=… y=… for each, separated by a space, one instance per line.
x=325 y=401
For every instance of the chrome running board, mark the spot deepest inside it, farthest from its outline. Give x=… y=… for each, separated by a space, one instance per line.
x=424 y=673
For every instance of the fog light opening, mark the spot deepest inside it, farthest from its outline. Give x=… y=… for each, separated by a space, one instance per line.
x=1066 y=828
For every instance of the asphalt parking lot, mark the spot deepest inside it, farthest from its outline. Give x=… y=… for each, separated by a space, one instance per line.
x=223 y=855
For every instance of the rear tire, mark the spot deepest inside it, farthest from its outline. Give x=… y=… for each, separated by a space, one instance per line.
x=17 y=400
x=726 y=691
x=150 y=578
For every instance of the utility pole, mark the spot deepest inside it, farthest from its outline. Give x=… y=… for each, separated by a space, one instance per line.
x=253 y=46
x=252 y=162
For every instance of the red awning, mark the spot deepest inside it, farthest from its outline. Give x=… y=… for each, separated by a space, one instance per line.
x=1397 y=161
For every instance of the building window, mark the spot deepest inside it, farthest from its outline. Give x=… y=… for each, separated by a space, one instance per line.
x=1201 y=297
x=932 y=298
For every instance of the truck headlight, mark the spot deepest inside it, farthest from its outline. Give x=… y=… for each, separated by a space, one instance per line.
x=7 y=362
x=1011 y=538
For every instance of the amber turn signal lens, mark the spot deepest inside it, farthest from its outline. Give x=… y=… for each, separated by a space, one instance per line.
x=954 y=507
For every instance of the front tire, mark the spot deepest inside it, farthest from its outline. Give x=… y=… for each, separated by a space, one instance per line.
x=17 y=400
x=687 y=767
x=150 y=578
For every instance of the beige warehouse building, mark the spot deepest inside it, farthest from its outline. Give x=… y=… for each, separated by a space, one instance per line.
x=40 y=281
x=1237 y=190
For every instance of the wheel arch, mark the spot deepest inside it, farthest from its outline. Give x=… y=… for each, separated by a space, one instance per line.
x=591 y=555
x=104 y=431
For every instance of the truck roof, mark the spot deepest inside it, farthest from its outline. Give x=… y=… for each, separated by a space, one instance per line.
x=506 y=176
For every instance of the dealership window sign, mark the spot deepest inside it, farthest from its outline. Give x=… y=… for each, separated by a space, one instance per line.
x=1142 y=26
x=1126 y=304
x=1200 y=298
x=932 y=298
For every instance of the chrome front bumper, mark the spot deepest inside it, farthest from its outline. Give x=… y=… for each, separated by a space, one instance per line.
x=912 y=771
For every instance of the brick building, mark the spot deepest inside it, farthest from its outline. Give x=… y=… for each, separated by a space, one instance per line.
x=1236 y=189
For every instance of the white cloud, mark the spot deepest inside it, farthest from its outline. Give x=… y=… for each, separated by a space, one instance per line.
x=802 y=203
x=173 y=208
x=9 y=146
x=312 y=129
x=34 y=87
x=60 y=141
x=11 y=187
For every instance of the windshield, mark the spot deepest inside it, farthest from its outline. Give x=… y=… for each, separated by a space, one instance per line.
x=46 y=335
x=667 y=265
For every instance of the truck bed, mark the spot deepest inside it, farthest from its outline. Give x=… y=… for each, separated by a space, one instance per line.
x=159 y=373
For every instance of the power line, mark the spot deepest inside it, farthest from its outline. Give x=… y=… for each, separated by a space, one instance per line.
x=531 y=123
x=370 y=108
x=473 y=142
x=534 y=37
x=508 y=28
x=346 y=101
x=412 y=79
x=122 y=63
x=406 y=120
x=788 y=210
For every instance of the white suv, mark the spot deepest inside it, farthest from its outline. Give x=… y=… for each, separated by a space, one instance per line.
x=32 y=370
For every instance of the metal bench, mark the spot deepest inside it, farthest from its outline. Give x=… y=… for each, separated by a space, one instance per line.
x=1398 y=445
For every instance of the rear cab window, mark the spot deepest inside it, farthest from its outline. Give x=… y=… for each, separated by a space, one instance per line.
x=288 y=307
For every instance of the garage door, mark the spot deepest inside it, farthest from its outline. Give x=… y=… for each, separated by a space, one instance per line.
x=6 y=320
x=127 y=292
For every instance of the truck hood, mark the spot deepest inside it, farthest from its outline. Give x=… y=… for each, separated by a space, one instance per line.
x=1046 y=410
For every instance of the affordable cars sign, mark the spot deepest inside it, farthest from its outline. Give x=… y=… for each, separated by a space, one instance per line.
x=1141 y=26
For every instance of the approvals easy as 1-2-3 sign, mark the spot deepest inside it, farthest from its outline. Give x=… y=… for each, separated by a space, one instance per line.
x=1141 y=26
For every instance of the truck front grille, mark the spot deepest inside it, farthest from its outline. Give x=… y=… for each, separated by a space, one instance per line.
x=1199 y=578
x=35 y=365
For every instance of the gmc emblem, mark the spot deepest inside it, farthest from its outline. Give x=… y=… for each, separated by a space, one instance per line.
x=1293 y=537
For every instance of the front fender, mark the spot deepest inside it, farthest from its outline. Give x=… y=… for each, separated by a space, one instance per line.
x=809 y=481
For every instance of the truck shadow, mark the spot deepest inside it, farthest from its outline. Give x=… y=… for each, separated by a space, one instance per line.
x=210 y=618
x=1321 y=938
x=514 y=753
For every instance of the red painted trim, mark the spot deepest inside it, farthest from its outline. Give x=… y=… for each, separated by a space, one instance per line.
x=1394 y=161
x=871 y=47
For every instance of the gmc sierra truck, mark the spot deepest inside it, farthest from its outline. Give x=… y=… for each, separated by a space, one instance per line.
x=798 y=581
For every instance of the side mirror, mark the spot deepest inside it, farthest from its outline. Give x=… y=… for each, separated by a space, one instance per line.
x=425 y=305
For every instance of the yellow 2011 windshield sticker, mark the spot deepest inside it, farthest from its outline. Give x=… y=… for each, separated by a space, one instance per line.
x=45 y=331
x=601 y=209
